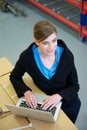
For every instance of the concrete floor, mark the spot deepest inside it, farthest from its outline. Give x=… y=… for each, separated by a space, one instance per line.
x=16 y=33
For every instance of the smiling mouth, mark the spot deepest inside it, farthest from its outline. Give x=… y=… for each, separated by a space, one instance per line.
x=50 y=51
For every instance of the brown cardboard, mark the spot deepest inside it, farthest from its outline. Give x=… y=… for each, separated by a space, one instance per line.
x=5 y=66
x=8 y=88
x=11 y=121
x=4 y=99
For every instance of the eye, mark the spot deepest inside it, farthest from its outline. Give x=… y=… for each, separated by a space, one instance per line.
x=45 y=43
x=54 y=40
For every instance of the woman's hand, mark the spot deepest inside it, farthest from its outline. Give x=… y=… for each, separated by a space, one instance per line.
x=30 y=98
x=51 y=101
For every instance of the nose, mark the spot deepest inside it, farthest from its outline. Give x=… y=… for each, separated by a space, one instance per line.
x=51 y=45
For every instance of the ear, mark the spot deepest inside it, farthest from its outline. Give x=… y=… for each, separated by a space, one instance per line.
x=37 y=43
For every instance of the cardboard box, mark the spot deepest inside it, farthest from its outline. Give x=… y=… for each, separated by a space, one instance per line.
x=4 y=99
x=12 y=122
x=8 y=88
x=5 y=66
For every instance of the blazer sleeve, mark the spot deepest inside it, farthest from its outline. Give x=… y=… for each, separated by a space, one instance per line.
x=16 y=78
x=72 y=88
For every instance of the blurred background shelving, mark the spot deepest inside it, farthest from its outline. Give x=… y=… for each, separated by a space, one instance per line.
x=73 y=13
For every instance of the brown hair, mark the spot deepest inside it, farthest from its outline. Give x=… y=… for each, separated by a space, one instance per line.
x=43 y=29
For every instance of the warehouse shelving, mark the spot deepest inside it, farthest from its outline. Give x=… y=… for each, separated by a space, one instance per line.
x=73 y=13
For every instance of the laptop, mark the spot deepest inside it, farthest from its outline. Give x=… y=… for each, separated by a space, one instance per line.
x=21 y=109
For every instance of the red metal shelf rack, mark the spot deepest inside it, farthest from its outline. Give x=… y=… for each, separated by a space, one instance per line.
x=75 y=2
x=68 y=12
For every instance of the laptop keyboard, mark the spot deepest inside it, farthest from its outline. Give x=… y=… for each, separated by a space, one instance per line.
x=23 y=104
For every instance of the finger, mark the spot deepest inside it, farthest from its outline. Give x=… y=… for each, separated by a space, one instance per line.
x=52 y=106
x=33 y=102
x=28 y=102
x=46 y=105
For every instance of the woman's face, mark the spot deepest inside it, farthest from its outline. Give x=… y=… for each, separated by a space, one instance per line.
x=48 y=46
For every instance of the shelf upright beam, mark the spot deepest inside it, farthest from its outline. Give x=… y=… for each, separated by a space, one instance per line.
x=83 y=20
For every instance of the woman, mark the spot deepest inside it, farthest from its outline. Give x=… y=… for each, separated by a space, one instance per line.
x=51 y=65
